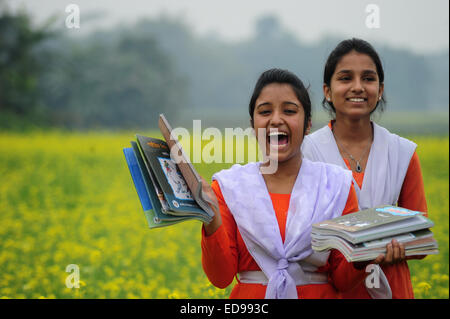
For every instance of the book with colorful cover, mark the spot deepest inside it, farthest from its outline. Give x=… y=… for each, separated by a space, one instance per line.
x=142 y=192
x=154 y=191
x=420 y=242
x=363 y=235
x=162 y=189
x=373 y=223
x=188 y=171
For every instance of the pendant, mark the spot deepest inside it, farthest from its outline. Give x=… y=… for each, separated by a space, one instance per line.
x=358 y=167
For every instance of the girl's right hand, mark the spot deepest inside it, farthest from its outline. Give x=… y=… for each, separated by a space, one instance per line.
x=217 y=220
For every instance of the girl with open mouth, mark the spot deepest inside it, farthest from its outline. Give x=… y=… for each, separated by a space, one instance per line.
x=262 y=232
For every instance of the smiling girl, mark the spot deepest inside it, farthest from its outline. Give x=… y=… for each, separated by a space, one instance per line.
x=385 y=167
x=261 y=235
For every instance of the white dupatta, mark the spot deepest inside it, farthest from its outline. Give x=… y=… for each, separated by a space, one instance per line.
x=385 y=172
x=320 y=192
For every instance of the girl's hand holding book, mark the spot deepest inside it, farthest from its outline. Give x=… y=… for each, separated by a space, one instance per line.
x=395 y=253
x=217 y=220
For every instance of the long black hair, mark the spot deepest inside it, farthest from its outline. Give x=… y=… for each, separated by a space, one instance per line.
x=335 y=56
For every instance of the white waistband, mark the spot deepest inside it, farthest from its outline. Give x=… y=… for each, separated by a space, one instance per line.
x=258 y=277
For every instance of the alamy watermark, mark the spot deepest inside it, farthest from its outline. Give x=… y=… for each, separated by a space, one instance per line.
x=225 y=148
x=373 y=278
x=73 y=280
x=373 y=17
x=73 y=17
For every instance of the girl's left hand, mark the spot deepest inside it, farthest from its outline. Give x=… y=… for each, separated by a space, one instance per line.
x=395 y=253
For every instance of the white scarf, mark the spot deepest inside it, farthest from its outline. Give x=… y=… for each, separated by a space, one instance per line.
x=385 y=172
x=386 y=167
x=320 y=192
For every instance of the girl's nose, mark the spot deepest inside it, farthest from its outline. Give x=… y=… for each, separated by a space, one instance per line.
x=276 y=118
x=357 y=86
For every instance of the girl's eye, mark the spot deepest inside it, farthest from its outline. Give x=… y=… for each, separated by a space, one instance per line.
x=344 y=78
x=290 y=111
x=370 y=79
x=264 y=112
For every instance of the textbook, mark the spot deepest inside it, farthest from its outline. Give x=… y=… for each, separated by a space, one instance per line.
x=169 y=190
x=363 y=235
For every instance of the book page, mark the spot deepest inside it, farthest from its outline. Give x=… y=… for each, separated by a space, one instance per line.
x=191 y=176
x=175 y=179
x=366 y=219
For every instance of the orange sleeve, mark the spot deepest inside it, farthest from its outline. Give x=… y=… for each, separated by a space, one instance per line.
x=412 y=194
x=219 y=250
x=343 y=274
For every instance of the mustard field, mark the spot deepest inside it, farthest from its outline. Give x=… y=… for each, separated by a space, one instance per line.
x=68 y=199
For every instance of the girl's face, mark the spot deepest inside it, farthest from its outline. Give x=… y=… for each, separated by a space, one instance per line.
x=281 y=114
x=355 y=87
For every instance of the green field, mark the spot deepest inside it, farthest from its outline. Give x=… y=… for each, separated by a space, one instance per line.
x=67 y=198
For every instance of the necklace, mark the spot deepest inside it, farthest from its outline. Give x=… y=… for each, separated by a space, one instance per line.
x=358 y=167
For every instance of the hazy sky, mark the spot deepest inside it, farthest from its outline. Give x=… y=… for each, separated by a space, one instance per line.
x=419 y=25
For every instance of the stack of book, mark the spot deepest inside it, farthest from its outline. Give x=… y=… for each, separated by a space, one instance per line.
x=170 y=191
x=363 y=235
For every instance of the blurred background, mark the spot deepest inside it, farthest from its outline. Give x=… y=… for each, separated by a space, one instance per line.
x=130 y=60
x=79 y=78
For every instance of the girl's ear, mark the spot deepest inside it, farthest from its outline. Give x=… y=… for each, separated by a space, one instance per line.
x=253 y=129
x=380 y=91
x=308 y=127
x=327 y=92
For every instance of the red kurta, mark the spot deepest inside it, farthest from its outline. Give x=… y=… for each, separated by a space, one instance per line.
x=224 y=254
x=412 y=196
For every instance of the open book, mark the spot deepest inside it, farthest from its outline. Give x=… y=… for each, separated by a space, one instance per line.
x=363 y=235
x=170 y=190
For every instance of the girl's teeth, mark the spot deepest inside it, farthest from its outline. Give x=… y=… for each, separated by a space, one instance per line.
x=278 y=139
x=277 y=133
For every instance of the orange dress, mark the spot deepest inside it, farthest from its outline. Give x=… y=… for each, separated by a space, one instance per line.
x=224 y=254
x=412 y=196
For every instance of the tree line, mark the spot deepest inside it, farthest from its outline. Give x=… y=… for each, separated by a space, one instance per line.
x=125 y=76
